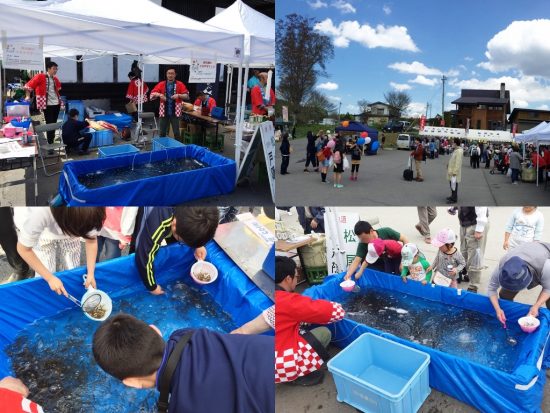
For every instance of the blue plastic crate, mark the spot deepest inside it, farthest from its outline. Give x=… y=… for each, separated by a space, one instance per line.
x=374 y=374
x=78 y=105
x=163 y=143
x=101 y=138
x=117 y=150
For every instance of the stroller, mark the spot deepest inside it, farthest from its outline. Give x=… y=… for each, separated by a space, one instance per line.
x=499 y=163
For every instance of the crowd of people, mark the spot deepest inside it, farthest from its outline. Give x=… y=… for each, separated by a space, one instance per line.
x=459 y=259
x=39 y=242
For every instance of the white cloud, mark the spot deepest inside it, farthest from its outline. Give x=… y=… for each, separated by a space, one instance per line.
x=416 y=68
x=468 y=58
x=462 y=67
x=394 y=37
x=387 y=10
x=328 y=86
x=400 y=86
x=522 y=46
x=523 y=89
x=423 y=80
x=334 y=98
x=452 y=73
x=416 y=109
x=543 y=107
x=343 y=6
x=452 y=94
x=353 y=109
x=317 y=4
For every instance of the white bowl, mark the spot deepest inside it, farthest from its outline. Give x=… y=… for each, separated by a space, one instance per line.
x=347 y=285
x=106 y=303
x=529 y=323
x=204 y=266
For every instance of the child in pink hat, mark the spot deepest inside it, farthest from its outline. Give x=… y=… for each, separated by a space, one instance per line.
x=448 y=261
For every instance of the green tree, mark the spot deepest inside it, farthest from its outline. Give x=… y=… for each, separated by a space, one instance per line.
x=318 y=106
x=399 y=102
x=302 y=54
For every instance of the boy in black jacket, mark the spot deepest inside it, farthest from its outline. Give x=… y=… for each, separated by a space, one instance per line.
x=74 y=134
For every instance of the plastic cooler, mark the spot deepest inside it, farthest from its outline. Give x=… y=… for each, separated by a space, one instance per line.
x=164 y=143
x=117 y=150
x=78 y=105
x=101 y=138
x=18 y=108
x=374 y=374
x=314 y=259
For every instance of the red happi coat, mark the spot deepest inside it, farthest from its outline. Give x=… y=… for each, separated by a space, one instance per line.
x=13 y=402
x=161 y=89
x=39 y=84
x=294 y=356
x=133 y=91
x=258 y=100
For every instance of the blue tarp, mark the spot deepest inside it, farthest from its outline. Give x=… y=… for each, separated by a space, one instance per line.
x=120 y=120
x=485 y=388
x=359 y=127
x=216 y=179
x=32 y=299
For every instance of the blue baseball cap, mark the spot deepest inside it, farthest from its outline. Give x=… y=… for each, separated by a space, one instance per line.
x=515 y=274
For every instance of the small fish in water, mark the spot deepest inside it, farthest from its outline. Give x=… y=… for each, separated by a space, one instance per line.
x=203 y=276
x=97 y=312
x=397 y=310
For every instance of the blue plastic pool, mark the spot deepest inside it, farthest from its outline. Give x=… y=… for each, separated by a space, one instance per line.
x=510 y=380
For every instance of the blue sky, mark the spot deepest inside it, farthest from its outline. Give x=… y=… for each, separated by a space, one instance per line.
x=409 y=44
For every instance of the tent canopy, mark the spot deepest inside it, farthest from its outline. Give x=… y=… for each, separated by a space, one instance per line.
x=358 y=127
x=257 y=28
x=540 y=133
x=134 y=27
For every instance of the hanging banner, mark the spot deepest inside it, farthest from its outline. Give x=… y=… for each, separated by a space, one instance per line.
x=268 y=140
x=285 y=113
x=23 y=56
x=422 y=122
x=202 y=71
x=341 y=240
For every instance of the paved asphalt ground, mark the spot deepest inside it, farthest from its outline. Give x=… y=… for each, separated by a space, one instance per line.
x=322 y=398
x=381 y=183
x=17 y=185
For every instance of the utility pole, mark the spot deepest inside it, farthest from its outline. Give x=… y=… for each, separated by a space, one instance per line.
x=339 y=107
x=443 y=79
x=427 y=106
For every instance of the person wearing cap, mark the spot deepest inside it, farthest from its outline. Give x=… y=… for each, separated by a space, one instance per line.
x=448 y=261
x=524 y=267
x=388 y=250
x=299 y=354
x=205 y=101
x=366 y=235
x=414 y=265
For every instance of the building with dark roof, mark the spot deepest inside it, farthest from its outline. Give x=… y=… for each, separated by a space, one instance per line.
x=486 y=109
x=527 y=118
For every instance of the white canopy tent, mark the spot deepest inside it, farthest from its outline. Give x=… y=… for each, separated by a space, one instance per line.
x=537 y=135
x=133 y=27
x=259 y=50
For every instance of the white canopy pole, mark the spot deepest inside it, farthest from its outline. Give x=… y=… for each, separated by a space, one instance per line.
x=229 y=69
x=239 y=132
x=537 y=158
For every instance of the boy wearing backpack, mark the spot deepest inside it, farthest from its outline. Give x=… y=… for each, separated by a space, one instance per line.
x=355 y=150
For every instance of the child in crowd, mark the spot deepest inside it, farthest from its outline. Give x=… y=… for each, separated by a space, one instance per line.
x=389 y=251
x=117 y=231
x=525 y=225
x=44 y=231
x=415 y=265
x=448 y=261
x=215 y=372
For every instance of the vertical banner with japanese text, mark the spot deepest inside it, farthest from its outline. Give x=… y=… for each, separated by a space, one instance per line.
x=268 y=140
x=341 y=240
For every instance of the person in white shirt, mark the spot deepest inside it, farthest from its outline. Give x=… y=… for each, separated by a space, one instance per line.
x=525 y=225
x=43 y=231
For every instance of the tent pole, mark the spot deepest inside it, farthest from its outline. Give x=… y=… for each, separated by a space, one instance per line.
x=239 y=134
x=227 y=90
x=140 y=93
x=537 y=158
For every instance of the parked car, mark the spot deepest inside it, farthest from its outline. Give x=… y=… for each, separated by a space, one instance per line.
x=393 y=126
x=405 y=141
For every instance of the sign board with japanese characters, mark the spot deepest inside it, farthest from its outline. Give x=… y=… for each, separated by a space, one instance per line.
x=268 y=140
x=23 y=56
x=202 y=71
x=341 y=240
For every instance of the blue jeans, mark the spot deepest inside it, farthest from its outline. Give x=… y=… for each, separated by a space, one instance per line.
x=111 y=248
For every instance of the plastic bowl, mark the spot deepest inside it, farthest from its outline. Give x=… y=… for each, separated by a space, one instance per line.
x=347 y=285
x=529 y=324
x=204 y=266
x=106 y=303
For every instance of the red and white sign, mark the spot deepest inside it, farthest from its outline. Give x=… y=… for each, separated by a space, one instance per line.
x=422 y=122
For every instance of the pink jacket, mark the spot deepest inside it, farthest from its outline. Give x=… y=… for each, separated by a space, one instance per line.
x=119 y=223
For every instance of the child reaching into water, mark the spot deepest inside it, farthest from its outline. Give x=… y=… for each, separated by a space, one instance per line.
x=415 y=265
x=448 y=261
